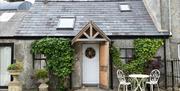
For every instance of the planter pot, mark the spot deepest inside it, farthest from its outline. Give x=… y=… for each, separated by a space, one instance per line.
x=43 y=86
x=15 y=74
x=42 y=81
x=15 y=85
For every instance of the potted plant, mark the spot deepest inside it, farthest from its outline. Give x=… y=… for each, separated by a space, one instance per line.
x=42 y=76
x=15 y=70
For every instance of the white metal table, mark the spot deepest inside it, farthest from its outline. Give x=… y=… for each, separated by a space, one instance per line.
x=139 y=80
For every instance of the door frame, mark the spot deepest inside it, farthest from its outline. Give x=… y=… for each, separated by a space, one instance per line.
x=89 y=85
x=12 y=57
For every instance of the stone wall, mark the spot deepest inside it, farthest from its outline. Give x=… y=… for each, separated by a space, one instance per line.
x=158 y=10
x=175 y=28
x=22 y=52
x=77 y=72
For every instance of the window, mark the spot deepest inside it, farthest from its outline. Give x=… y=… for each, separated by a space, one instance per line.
x=179 y=51
x=6 y=17
x=127 y=54
x=6 y=58
x=124 y=7
x=39 y=61
x=66 y=23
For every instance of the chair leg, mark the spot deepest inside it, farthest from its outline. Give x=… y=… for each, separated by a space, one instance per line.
x=151 y=88
x=131 y=88
x=126 y=87
x=158 y=87
x=119 y=87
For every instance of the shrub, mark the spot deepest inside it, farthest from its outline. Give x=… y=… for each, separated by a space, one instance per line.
x=15 y=66
x=41 y=74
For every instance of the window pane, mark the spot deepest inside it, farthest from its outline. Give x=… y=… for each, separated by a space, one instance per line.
x=66 y=22
x=37 y=56
x=123 y=53
x=43 y=64
x=5 y=61
x=129 y=53
x=124 y=7
x=39 y=64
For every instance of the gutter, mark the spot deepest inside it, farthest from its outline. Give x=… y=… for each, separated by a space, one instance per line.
x=170 y=18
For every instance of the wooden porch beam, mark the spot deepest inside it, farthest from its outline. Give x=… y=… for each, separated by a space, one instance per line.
x=96 y=35
x=91 y=40
x=86 y=35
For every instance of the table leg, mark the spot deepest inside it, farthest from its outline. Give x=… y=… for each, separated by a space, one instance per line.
x=136 y=86
x=140 y=84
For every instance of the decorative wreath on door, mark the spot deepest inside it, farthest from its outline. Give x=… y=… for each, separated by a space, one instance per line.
x=90 y=52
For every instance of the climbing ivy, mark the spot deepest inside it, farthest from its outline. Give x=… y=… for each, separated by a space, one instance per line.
x=145 y=50
x=59 y=54
x=115 y=54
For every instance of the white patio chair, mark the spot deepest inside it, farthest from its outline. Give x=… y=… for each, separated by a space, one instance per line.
x=154 y=78
x=122 y=80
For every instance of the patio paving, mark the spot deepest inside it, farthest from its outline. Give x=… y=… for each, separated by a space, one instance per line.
x=97 y=89
x=87 y=89
x=91 y=89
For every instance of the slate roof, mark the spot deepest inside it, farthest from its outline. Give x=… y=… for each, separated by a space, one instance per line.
x=8 y=29
x=22 y=5
x=43 y=19
x=80 y=0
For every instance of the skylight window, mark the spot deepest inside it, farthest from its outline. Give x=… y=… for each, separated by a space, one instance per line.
x=6 y=17
x=66 y=23
x=125 y=7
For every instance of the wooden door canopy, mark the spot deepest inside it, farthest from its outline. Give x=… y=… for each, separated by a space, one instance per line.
x=91 y=32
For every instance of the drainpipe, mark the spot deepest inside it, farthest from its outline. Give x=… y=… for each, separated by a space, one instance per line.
x=170 y=18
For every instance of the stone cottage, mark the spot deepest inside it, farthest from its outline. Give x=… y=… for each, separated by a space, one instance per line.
x=11 y=15
x=92 y=25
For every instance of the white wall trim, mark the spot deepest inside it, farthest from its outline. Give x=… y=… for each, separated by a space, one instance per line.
x=179 y=51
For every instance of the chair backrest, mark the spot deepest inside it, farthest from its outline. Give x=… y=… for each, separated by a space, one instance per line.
x=154 y=75
x=121 y=76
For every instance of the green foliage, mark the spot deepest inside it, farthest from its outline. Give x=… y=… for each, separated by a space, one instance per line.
x=41 y=74
x=115 y=54
x=15 y=66
x=145 y=50
x=59 y=54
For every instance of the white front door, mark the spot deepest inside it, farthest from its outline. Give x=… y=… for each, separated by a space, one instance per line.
x=5 y=61
x=90 y=64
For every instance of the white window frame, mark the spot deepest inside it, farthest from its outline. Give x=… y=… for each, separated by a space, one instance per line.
x=179 y=51
x=66 y=26
x=124 y=7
